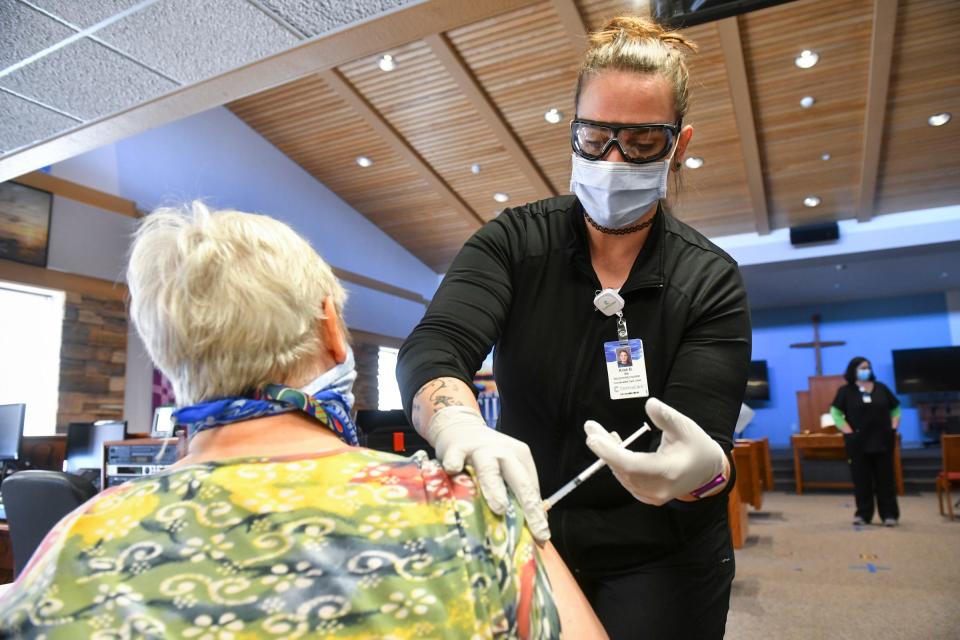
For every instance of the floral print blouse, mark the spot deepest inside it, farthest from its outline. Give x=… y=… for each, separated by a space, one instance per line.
x=352 y=543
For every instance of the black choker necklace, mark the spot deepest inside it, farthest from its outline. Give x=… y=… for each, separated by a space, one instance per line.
x=619 y=232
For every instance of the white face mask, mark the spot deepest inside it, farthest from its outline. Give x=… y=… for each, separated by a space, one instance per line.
x=340 y=379
x=617 y=194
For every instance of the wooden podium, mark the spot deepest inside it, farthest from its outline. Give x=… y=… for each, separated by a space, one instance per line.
x=816 y=442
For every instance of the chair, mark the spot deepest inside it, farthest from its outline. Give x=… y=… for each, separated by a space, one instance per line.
x=35 y=501
x=950 y=446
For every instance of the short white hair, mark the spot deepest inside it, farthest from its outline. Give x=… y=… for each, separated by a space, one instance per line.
x=226 y=301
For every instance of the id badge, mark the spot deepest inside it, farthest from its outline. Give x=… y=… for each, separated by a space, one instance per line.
x=626 y=369
x=867 y=399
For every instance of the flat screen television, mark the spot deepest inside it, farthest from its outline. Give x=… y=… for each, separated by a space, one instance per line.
x=85 y=443
x=686 y=13
x=758 y=384
x=11 y=430
x=927 y=370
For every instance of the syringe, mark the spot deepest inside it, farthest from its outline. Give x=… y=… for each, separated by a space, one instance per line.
x=589 y=471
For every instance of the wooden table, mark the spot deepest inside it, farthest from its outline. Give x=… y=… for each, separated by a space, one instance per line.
x=830 y=446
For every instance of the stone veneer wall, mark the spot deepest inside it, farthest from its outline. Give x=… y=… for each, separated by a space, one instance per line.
x=93 y=358
x=365 y=388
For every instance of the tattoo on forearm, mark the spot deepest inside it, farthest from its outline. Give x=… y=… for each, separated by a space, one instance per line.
x=434 y=395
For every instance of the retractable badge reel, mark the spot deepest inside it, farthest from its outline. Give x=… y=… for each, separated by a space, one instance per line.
x=626 y=366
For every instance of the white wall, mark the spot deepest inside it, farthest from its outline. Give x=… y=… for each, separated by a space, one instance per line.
x=88 y=241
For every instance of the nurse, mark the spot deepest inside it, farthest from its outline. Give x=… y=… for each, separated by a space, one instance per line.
x=581 y=278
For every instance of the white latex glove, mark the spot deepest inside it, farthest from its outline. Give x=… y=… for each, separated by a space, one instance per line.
x=459 y=434
x=686 y=459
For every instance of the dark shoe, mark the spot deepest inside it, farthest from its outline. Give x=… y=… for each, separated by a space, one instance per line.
x=890 y=522
x=858 y=521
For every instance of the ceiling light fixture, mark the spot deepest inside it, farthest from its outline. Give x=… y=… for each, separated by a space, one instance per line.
x=364 y=161
x=475 y=168
x=499 y=196
x=939 y=119
x=825 y=157
x=806 y=59
x=553 y=116
x=811 y=201
x=807 y=101
x=693 y=162
x=387 y=63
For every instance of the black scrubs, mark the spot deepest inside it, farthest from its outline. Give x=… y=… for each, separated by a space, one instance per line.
x=525 y=282
x=870 y=447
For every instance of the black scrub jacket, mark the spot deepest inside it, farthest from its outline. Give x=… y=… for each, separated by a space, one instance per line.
x=524 y=282
x=871 y=421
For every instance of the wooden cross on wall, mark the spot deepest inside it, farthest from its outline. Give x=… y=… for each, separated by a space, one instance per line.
x=817 y=344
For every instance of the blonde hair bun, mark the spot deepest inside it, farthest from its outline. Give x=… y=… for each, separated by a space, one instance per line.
x=639 y=45
x=639 y=28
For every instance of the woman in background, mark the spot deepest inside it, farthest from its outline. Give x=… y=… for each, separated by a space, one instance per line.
x=868 y=414
x=276 y=524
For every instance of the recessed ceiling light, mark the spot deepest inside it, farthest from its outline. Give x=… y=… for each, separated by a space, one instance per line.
x=939 y=119
x=807 y=101
x=387 y=63
x=553 y=116
x=693 y=162
x=501 y=197
x=475 y=168
x=825 y=157
x=836 y=285
x=806 y=59
x=364 y=161
x=811 y=201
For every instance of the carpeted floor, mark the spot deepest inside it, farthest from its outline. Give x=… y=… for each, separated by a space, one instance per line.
x=806 y=572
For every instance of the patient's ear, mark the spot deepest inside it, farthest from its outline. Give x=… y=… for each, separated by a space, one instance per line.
x=333 y=337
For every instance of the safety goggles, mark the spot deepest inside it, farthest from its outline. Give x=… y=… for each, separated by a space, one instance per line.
x=638 y=143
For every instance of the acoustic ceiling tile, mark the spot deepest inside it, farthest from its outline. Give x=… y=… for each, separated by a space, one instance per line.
x=25 y=32
x=84 y=14
x=191 y=40
x=87 y=80
x=23 y=122
x=313 y=17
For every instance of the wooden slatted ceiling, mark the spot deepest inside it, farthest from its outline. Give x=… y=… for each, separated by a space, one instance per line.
x=596 y=12
x=421 y=101
x=919 y=163
x=792 y=139
x=714 y=198
x=316 y=129
x=526 y=64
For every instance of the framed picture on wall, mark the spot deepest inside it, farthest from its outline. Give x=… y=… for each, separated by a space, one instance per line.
x=24 y=223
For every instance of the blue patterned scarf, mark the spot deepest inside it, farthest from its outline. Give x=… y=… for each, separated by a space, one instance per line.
x=331 y=408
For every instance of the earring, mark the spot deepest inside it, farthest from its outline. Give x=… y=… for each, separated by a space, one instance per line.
x=677 y=166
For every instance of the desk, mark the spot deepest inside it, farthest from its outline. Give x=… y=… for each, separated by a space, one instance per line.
x=746 y=458
x=737 y=517
x=6 y=553
x=830 y=447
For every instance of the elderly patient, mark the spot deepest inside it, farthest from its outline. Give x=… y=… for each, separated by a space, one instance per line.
x=276 y=524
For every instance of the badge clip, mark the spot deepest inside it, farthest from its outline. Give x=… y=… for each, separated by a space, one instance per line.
x=608 y=302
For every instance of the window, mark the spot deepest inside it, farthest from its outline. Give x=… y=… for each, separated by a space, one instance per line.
x=388 y=391
x=31 y=323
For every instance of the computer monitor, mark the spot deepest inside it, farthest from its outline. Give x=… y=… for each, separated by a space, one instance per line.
x=85 y=443
x=162 y=422
x=11 y=430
